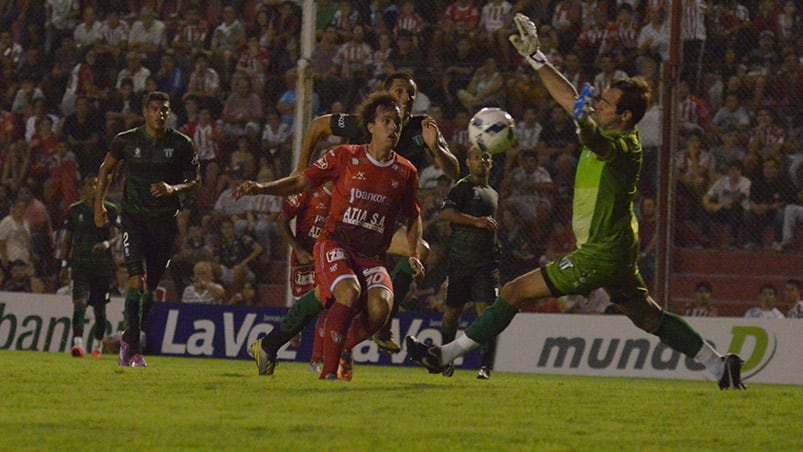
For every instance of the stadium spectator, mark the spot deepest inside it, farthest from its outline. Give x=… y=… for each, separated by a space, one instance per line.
x=609 y=72
x=486 y=88
x=113 y=37
x=21 y=279
x=693 y=112
x=147 y=37
x=243 y=109
x=621 y=39
x=61 y=18
x=726 y=202
x=193 y=247
x=731 y=116
x=203 y=288
x=247 y=296
x=83 y=132
x=89 y=31
x=204 y=83
x=135 y=71
x=122 y=108
x=701 y=305
x=730 y=150
x=494 y=22
x=254 y=62
x=15 y=236
x=695 y=171
x=227 y=40
x=170 y=77
x=235 y=256
x=766 y=304
x=766 y=141
x=191 y=38
x=647 y=229
x=769 y=195
x=792 y=218
x=529 y=191
x=653 y=38
x=791 y=297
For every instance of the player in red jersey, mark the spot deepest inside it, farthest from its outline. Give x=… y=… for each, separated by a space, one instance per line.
x=373 y=188
x=310 y=210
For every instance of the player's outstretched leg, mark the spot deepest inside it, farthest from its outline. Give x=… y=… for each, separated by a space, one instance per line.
x=732 y=374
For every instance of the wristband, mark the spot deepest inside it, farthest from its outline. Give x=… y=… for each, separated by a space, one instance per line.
x=538 y=60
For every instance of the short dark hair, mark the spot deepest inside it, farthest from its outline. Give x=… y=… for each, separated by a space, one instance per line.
x=769 y=286
x=635 y=97
x=401 y=75
x=794 y=282
x=156 y=96
x=703 y=285
x=367 y=110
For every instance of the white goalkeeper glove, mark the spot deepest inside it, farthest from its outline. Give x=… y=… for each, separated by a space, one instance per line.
x=582 y=105
x=526 y=41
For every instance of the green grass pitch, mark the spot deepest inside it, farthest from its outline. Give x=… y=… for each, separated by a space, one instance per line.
x=55 y=402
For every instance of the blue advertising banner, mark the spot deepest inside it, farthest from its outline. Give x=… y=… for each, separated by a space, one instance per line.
x=213 y=331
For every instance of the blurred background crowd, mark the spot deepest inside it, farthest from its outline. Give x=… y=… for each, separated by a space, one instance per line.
x=74 y=71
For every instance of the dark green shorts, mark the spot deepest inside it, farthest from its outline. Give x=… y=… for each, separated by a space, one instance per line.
x=476 y=285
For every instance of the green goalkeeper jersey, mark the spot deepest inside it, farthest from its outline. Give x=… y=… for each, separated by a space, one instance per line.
x=603 y=219
x=170 y=158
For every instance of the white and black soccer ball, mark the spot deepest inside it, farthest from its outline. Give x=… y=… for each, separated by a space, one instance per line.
x=492 y=130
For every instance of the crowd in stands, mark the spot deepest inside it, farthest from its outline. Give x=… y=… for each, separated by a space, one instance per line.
x=74 y=72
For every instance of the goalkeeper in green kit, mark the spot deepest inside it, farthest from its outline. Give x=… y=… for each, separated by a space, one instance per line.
x=603 y=222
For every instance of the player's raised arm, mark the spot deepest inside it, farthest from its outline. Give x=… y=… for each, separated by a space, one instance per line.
x=527 y=44
x=319 y=128
x=443 y=156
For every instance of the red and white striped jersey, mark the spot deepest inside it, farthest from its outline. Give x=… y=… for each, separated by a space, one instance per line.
x=692 y=22
x=494 y=15
x=465 y=17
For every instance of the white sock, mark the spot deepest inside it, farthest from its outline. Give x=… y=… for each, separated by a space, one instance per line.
x=457 y=348
x=712 y=360
x=77 y=341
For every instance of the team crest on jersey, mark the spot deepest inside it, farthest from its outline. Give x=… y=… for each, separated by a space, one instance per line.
x=81 y=217
x=359 y=176
x=476 y=193
x=168 y=152
x=322 y=163
x=337 y=254
x=137 y=153
x=394 y=184
x=565 y=263
x=355 y=161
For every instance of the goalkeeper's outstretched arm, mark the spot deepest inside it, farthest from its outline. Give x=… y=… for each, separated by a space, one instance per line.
x=527 y=44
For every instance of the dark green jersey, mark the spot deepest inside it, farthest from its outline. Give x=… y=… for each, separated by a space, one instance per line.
x=472 y=247
x=171 y=159
x=80 y=222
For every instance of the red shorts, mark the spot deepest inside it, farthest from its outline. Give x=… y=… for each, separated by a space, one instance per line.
x=334 y=263
x=302 y=279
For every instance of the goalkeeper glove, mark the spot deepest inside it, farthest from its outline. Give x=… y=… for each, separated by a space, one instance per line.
x=582 y=105
x=526 y=41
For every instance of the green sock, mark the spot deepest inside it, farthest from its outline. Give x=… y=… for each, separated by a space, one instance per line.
x=78 y=317
x=147 y=304
x=303 y=311
x=677 y=334
x=492 y=322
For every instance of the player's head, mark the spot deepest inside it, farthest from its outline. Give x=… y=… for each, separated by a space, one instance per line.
x=478 y=162
x=402 y=85
x=380 y=115
x=156 y=110
x=623 y=104
x=88 y=188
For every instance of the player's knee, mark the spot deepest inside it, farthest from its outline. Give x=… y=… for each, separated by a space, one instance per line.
x=645 y=316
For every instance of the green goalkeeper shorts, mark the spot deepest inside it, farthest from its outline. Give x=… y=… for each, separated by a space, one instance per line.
x=581 y=271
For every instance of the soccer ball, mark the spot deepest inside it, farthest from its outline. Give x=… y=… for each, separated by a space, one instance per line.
x=492 y=130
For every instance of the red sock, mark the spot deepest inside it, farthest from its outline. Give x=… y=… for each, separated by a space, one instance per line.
x=359 y=331
x=337 y=326
x=317 y=344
